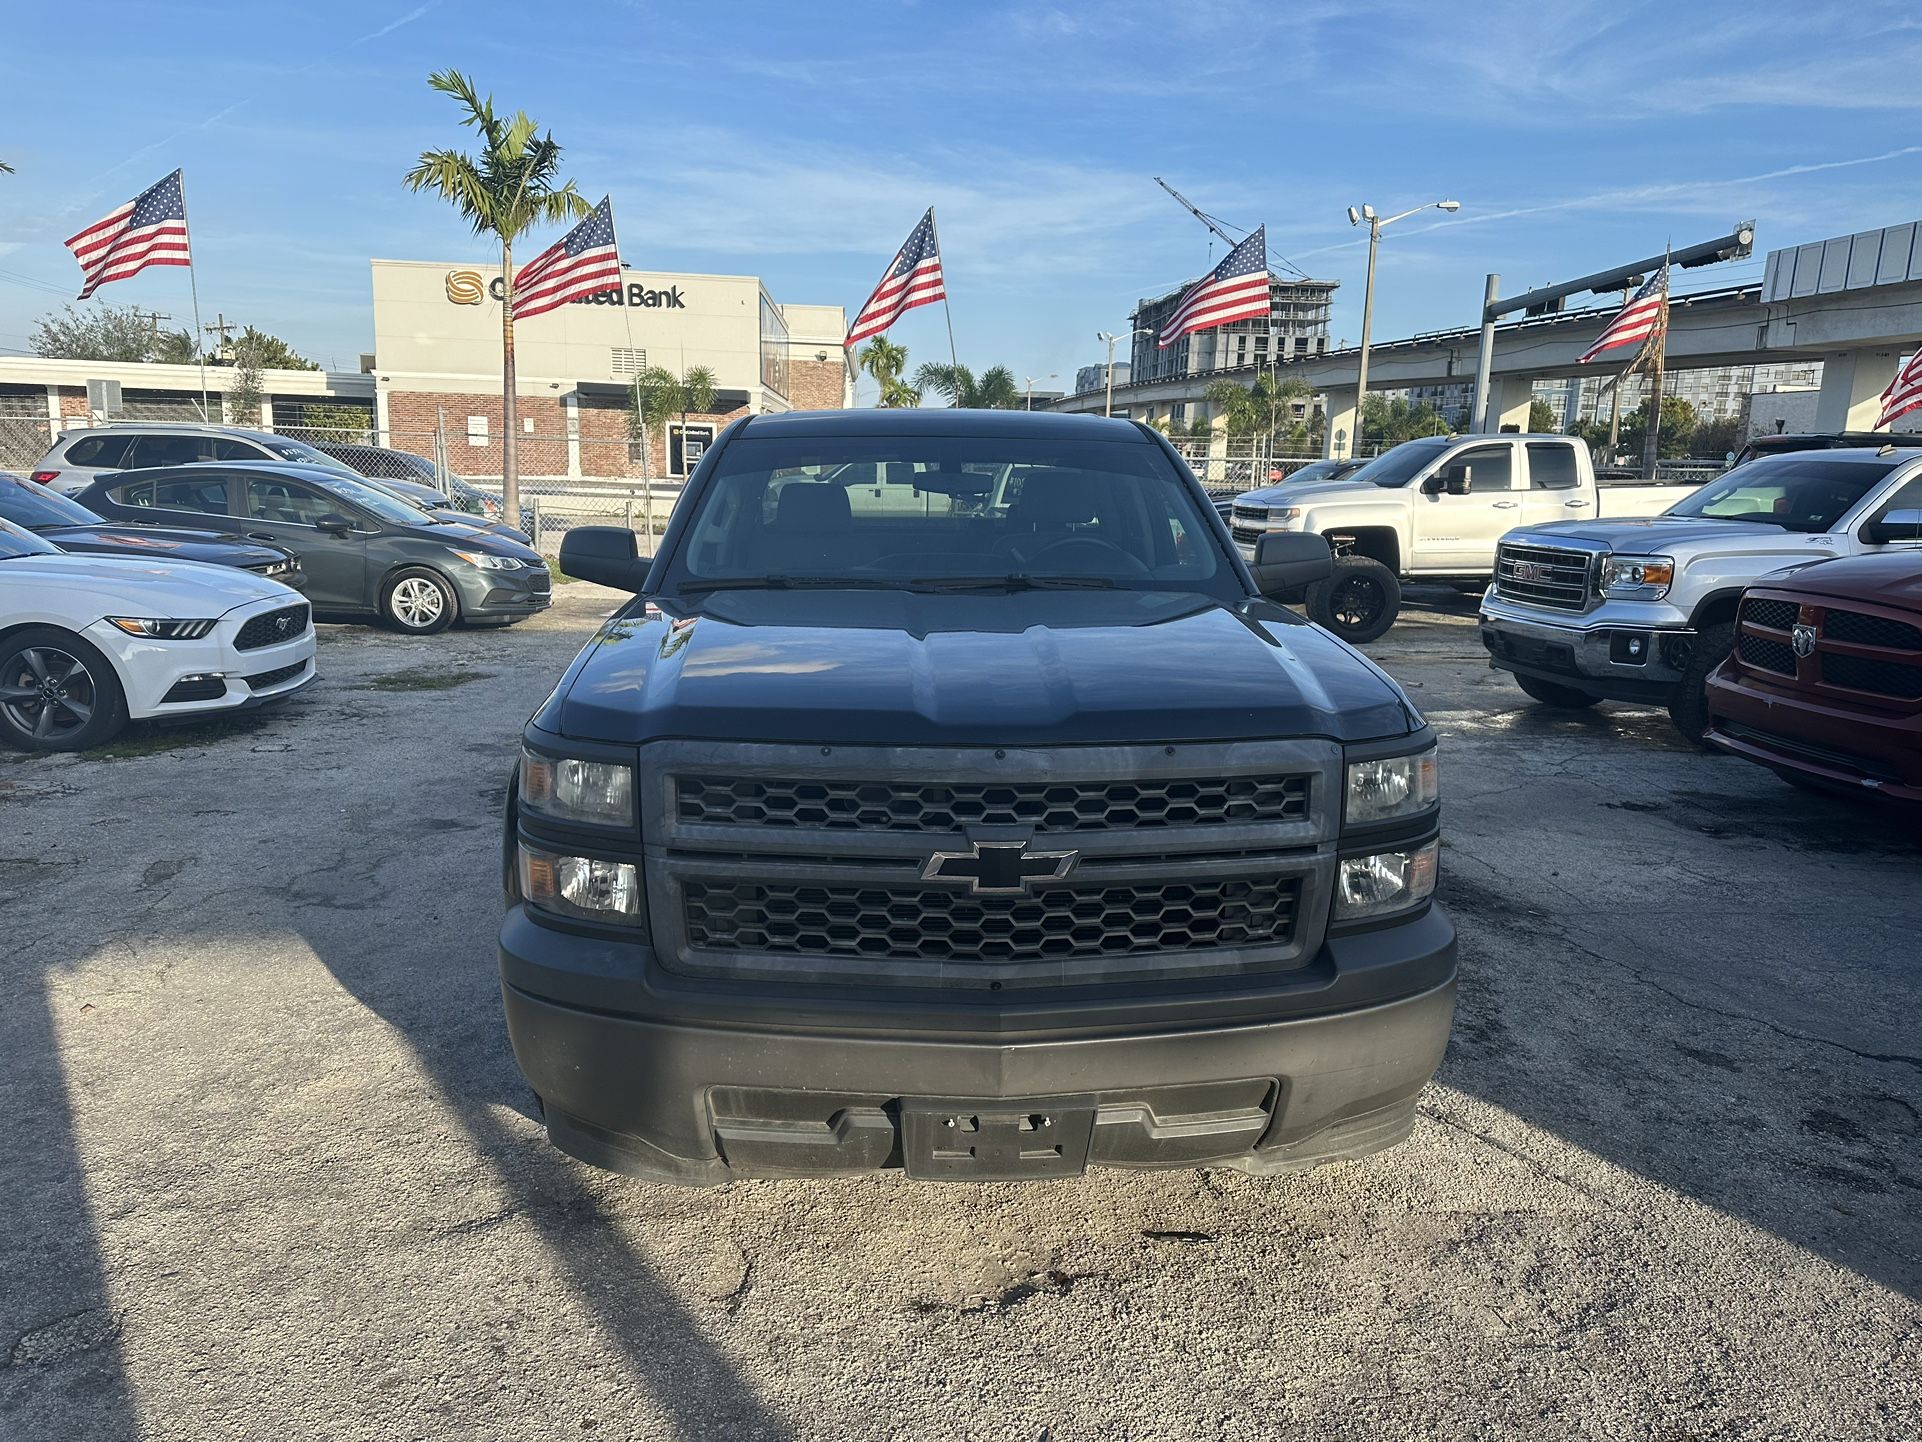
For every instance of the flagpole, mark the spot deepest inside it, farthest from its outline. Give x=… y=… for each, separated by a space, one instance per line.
x=1651 y=439
x=946 y=309
x=193 y=288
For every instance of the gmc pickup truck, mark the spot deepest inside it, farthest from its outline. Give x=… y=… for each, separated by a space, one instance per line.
x=1432 y=510
x=1585 y=611
x=986 y=841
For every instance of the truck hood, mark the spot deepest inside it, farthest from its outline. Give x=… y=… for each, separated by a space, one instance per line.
x=1307 y=493
x=1635 y=535
x=1035 y=668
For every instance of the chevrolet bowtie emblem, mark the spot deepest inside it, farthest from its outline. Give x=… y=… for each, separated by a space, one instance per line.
x=999 y=868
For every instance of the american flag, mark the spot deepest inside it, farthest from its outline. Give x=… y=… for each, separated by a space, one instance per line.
x=1645 y=315
x=1237 y=289
x=582 y=262
x=150 y=229
x=1904 y=393
x=913 y=278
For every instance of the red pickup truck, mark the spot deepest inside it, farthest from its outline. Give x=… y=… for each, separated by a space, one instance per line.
x=1825 y=683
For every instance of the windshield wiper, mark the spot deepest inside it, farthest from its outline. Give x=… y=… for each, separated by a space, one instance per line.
x=790 y=583
x=1015 y=581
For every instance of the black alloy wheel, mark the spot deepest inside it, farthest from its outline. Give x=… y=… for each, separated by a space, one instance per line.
x=57 y=693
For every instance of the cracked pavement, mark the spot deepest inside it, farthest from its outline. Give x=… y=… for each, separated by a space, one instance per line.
x=271 y=1173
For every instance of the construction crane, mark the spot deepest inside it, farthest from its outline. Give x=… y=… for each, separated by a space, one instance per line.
x=1215 y=224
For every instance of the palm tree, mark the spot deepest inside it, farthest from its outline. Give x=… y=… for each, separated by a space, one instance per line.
x=1264 y=409
x=993 y=390
x=885 y=361
x=505 y=192
x=5 y=169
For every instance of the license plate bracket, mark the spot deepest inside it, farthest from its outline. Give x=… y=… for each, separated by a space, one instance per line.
x=1000 y=1141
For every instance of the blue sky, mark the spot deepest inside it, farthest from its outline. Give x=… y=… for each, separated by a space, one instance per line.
x=800 y=141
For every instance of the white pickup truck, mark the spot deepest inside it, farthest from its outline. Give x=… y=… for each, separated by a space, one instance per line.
x=1433 y=509
x=1586 y=611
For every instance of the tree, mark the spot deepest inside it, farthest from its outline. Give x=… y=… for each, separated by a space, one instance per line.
x=657 y=396
x=509 y=189
x=175 y=347
x=322 y=422
x=1541 y=417
x=993 y=390
x=886 y=362
x=1715 y=439
x=268 y=352
x=1267 y=408
x=1393 y=421
x=243 y=395
x=103 y=333
x=1677 y=432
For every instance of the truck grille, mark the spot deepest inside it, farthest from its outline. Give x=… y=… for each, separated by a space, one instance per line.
x=1542 y=575
x=1250 y=513
x=271 y=628
x=1878 y=678
x=944 y=925
x=890 y=865
x=1247 y=535
x=1765 y=655
x=1763 y=611
x=1860 y=628
x=846 y=805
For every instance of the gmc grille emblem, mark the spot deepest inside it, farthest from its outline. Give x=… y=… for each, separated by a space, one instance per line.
x=999 y=868
x=1528 y=570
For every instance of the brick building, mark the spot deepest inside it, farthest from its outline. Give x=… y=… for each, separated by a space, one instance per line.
x=433 y=377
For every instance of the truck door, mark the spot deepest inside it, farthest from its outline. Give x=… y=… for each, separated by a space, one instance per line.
x=1456 y=535
x=1554 y=485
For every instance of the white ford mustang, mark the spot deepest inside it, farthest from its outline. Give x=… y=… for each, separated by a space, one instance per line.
x=89 y=642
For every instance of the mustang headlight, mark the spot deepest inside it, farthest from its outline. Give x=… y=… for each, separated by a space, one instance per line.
x=162 y=629
x=1385 y=882
x=1391 y=787
x=581 y=887
x=1637 y=578
x=487 y=561
x=600 y=793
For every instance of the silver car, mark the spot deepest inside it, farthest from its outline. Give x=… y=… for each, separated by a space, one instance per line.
x=79 y=457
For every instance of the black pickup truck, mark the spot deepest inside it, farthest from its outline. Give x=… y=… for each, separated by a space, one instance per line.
x=950 y=799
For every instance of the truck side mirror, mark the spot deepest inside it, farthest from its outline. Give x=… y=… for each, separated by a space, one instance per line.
x=605 y=555
x=1290 y=561
x=1452 y=479
x=1904 y=525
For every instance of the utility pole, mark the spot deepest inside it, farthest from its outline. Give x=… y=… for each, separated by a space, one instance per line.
x=220 y=327
x=152 y=318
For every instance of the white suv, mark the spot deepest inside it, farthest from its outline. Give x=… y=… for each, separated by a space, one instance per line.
x=79 y=457
x=89 y=642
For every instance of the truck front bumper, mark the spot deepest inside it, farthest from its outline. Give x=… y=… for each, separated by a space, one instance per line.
x=701 y=1104
x=1842 y=747
x=1619 y=651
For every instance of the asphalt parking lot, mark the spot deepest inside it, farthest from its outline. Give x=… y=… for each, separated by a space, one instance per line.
x=271 y=1173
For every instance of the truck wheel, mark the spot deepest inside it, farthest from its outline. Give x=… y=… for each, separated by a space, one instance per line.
x=1689 y=709
x=1359 y=601
x=1563 y=698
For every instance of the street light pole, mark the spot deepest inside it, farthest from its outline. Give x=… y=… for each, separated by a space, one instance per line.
x=1107 y=405
x=1032 y=379
x=1376 y=225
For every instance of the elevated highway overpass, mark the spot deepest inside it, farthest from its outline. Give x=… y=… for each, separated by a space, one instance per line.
x=1854 y=303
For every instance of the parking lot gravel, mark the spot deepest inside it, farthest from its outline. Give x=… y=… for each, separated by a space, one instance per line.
x=270 y=1171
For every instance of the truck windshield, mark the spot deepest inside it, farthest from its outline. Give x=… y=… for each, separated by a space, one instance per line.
x=1803 y=491
x=949 y=512
x=1397 y=467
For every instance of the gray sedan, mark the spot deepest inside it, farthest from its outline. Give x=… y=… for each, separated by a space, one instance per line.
x=364 y=550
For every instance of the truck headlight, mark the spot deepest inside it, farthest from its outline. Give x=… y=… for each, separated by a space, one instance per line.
x=1391 y=787
x=1637 y=578
x=562 y=788
x=1384 y=882
x=581 y=887
x=1283 y=517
